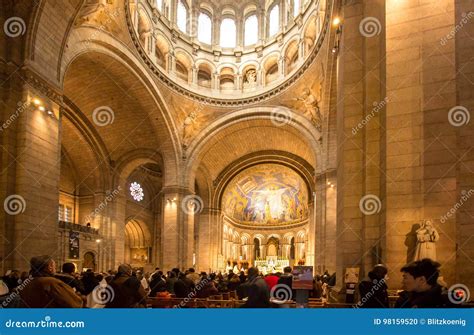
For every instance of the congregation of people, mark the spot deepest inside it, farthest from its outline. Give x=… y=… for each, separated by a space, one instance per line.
x=44 y=287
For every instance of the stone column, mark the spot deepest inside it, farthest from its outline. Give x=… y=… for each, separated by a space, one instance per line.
x=30 y=158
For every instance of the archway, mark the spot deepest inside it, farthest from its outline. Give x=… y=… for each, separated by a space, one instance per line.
x=138 y=246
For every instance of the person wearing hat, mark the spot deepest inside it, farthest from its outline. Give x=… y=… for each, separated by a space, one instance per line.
x=373 y=292
x=127 y=291
x=45 y=291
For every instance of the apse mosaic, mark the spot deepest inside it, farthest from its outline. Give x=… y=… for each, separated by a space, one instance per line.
x=266 y=194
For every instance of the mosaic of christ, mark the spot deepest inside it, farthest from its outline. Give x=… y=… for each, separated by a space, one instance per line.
x=266 y=194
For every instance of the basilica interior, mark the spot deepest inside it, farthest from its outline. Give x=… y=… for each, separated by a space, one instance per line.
x=220 y=134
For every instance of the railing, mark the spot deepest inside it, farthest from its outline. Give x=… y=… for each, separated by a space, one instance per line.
x=77 y=227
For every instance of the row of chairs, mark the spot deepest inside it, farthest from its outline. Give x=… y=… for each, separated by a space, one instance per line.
x=230 y=303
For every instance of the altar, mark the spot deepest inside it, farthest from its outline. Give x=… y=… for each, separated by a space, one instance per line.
x=271 y=264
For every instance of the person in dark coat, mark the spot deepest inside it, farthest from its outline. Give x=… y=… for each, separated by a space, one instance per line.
x=45 y=291
x=373 y=292
x=89 y=281
x=420 y=281
x=256 y=289
x=157 y=284
x=127 y=290
x=68 y=277
x=183 y=286
x=287 y=279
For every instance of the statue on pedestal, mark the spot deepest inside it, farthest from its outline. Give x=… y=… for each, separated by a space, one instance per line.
x=426 y=237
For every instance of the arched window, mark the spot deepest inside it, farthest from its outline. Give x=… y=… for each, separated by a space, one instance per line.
x=159 y=4
x=228 y=33
x=182 y=17
x=296 y=7
x=251 y=30
x=274 y=21
x=205 y=28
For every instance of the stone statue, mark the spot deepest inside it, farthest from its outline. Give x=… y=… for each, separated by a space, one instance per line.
x=189 y=127
x=251 y=76
x=426 y=237
x=311 y=108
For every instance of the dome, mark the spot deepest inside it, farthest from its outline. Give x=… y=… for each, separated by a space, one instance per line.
x=228 y=52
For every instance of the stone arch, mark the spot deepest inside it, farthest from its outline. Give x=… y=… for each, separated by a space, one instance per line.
x=164 y=124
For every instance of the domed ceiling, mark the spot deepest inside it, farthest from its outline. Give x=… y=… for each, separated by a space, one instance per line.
x=266 y=194
x=228 y=53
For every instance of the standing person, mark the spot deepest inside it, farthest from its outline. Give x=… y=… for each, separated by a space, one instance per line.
x=256 y=290
x=287 y=279
x=170 y=281
x=421 y=287
x=89 y=281
x=373 y=292
x=45 y=291
x=183 y=286
x=128 y=291
x=157 y=284
x=68 y=276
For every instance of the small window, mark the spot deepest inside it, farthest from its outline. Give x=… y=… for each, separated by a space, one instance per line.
x=251 y=30
x=61 y=213
x=68 y=214
x=274 y=21
x=182 y=17
x=159 y=4
x=228 y=33
x=205 y=28
x=296 y=8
